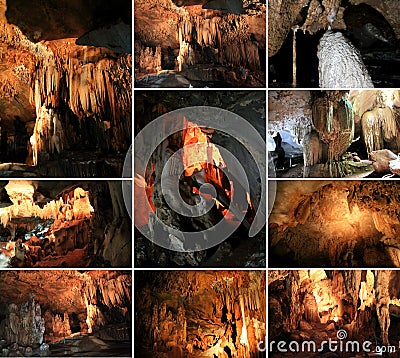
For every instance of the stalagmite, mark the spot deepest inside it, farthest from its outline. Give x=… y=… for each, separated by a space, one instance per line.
x=294 y=84
x=340 y=63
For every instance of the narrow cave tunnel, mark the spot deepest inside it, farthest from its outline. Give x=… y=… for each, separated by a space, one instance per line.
x=357 y=309
x=65 y=103
x=65 y=313
x=328 y=34
x=351 y=134
x=335 y=224
x=214 y=43
x=200 y=313
x=64 y=224
x=196 y=154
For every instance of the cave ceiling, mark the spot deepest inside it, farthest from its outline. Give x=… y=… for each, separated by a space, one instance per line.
x=58 y=290
x=54 y=19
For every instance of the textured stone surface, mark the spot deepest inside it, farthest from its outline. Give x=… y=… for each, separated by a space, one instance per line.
x=340 y=63
x=58 y=97
x=314 y=15
x=50 y=224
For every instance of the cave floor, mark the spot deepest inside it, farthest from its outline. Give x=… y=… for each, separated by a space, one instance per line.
x=90 y=346
x=200 y=76
x=70 y=164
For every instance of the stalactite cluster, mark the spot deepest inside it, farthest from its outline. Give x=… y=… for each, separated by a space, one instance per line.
x=109 y=291
x=379 y=126
x=149 y=59
x=51 y=306
x=333 y=117
x=227 y=37
x=91 y=88
x=64 y=209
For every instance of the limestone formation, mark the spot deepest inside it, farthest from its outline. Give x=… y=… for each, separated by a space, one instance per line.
x=340 y=63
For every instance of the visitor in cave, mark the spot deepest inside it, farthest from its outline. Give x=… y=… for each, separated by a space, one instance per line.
x=280 y=163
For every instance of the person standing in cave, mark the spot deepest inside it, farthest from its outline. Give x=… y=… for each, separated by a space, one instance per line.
x=279 y=151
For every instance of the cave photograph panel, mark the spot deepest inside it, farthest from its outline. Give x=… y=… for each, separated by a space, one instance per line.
x=189 y=183
x=341 y=133
x=200 y=43
x=200 y=314
x=333 y=43
x=64 y=224
x=330 y=313
x=65 y=88
x=335 y=224
x=61 y=313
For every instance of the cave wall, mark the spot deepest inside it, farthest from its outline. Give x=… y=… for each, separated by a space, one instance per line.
x=48 y=224
x=200 y=36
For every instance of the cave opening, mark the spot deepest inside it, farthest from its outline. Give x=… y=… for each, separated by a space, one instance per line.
x=74 y=323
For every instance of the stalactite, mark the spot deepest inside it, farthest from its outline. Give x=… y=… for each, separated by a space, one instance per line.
x=294 y=84
x=207 y=32
x=243 y=337
x=92 y=90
